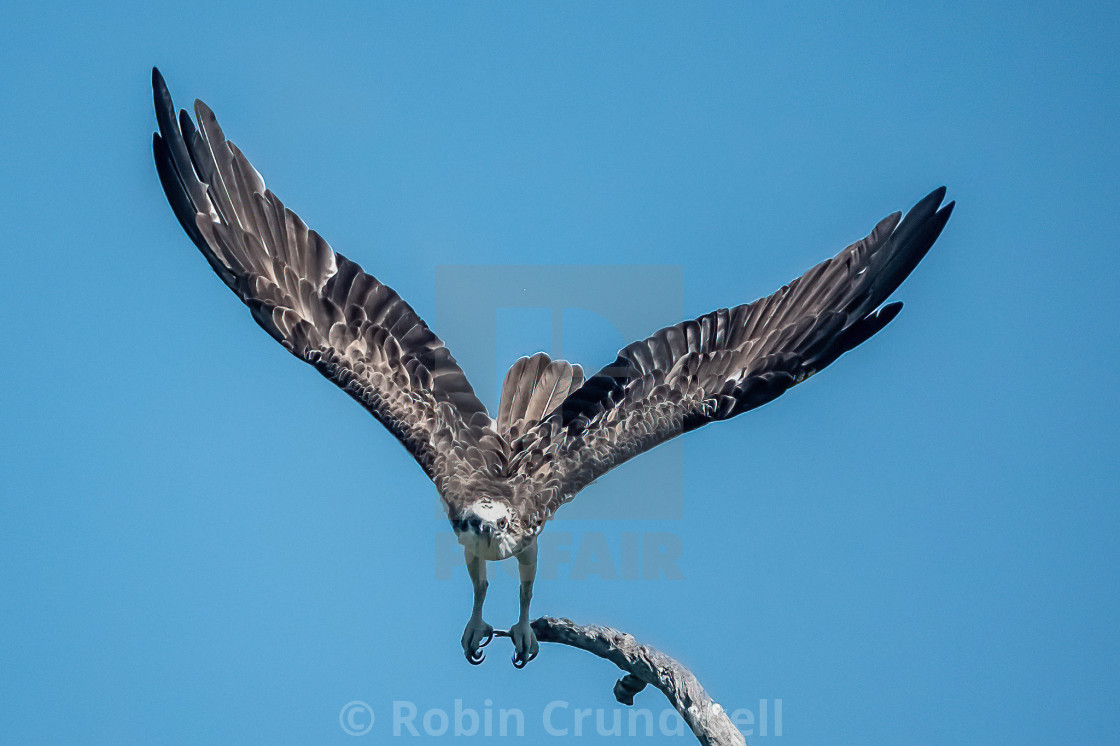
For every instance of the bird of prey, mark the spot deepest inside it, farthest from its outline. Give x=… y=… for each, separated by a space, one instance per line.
x=501 y=479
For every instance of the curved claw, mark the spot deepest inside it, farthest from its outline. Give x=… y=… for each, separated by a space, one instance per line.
x=519 y=664
x=476 y=656
x=525 y=646
x=476 y=636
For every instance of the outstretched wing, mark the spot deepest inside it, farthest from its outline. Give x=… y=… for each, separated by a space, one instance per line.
x=726 y=362
x=320 y=305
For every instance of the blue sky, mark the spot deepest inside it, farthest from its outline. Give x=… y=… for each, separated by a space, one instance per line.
x=201 y=540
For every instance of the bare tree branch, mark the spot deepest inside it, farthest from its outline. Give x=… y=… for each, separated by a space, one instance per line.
x=644 y=665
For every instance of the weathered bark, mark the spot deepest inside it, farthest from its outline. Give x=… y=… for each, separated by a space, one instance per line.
x=644 y=665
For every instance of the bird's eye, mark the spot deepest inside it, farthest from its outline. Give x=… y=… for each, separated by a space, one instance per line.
x=502 y=523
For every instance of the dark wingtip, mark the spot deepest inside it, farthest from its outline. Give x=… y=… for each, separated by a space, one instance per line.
x=161 y=97
x=888 y=312
x=928 y=204
x=185 y=123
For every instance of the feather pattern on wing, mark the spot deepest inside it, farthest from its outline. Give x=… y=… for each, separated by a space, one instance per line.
x=725 y=362
x=318 y=304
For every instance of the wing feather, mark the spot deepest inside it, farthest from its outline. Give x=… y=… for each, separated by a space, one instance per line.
x=727 y=361
x=318 y=304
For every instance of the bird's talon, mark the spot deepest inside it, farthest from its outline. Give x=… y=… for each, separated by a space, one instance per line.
x=519 y=662
x=524 y=644
x=476 y=636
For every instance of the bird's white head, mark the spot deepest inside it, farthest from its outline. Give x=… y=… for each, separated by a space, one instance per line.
x=489 y=529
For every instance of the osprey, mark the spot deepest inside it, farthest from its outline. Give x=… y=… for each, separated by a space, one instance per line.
x=501 y=480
